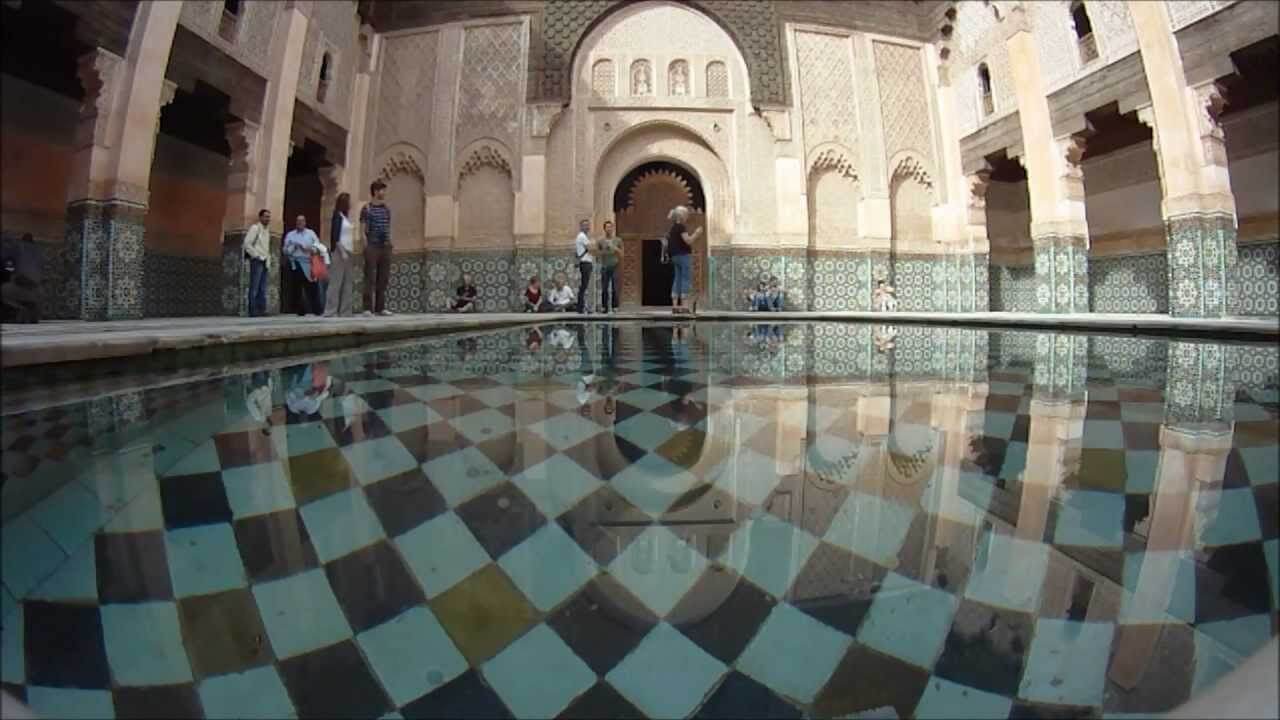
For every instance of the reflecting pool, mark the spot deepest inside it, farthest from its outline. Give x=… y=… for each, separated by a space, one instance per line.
x=624 y=520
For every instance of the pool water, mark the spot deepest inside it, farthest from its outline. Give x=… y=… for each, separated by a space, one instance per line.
x=708 y=520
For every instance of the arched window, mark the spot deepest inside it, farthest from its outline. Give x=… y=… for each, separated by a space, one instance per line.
x=603 y=81
x=326 y=68
x=717 y=79
x=230 y=23
x=984 y=89
x=1085 y=42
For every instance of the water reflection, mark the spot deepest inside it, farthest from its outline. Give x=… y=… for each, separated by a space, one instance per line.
x=1000 y=519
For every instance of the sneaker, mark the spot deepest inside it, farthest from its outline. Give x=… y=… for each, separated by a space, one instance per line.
x=386 y=313
x=366 y=313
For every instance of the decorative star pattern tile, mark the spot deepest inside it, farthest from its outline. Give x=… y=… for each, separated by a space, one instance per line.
x=710 y=530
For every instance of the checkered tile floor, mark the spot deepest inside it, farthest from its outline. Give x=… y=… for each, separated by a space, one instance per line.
x=663 y=541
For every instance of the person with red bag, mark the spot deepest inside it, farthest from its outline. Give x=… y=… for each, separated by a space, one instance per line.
x=303 y=251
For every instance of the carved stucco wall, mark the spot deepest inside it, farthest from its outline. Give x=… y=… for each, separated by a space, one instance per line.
x=485 y=208
x=251 y=43
x=1185 y=12
x=829 y=118
x=659 y=33
x=334 y=28
x=752 y=23
x=406 y=91
x=833 y=214
x=1058 y=48
x=828 y=111
x=978 y=38
x=405 y=182
x=492 y=83
x=904 y=105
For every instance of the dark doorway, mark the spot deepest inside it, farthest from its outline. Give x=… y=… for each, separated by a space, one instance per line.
x=655 y=288
x=302 y=191
x=641 y=202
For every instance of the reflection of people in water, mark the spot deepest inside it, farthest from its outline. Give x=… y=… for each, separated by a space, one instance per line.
x=467 y=348
x=308 y=388
x=258 y=399
x=533 y=340
x=562 y=338
x=884 y=336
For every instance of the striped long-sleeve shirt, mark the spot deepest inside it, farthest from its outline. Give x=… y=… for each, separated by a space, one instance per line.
x=376 y=219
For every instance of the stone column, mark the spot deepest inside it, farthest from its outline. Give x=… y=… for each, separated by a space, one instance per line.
x=332 y=182
x=356 y=179
x=111 y=168
x=1056 y=435
x=962 y=231
x=1198 y=205
x=1195 y=441
x=1059 y=232
x=244 y=137
x=277 y=120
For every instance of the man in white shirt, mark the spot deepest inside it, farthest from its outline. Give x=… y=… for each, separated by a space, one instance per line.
x=582 y=250
x=561 y=295
x=257 y=242
x=299 y=245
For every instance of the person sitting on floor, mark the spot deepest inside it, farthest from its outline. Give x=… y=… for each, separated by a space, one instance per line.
x=773 y=295
x=884 y=298
x=758 y=299
x=562 y=297
x=465 y=301
x=534 y=300
x=19 y=285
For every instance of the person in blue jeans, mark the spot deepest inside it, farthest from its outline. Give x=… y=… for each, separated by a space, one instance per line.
x=257 y=241
x=774 y=294
x=680 y=248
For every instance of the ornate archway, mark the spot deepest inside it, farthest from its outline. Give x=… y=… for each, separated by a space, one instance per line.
x=641 y=202
x=689 y=158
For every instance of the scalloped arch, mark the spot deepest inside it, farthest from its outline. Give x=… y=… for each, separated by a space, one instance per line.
x=832 y=157
x=909 y=165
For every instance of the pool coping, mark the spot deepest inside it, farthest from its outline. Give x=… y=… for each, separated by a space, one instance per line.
x=58 y=342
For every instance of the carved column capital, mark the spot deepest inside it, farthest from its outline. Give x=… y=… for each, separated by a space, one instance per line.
x=331 y=179
x=1071 y=173
x=542 y=116
x=99 y=73
x=1210 y=100
x=979 y=182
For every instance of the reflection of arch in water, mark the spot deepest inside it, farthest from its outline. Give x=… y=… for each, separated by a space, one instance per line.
x=911 y=453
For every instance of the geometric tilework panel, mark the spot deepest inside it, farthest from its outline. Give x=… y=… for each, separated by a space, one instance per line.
x=178 y=286
x=1013 y=289
x=841 y=281
x=1256 y=367
x=1129 y=284
x=919 y=284
x=1013 y=349
x=405 y=286
x=1128 y=358
x=1256 y=286
x=58 y=277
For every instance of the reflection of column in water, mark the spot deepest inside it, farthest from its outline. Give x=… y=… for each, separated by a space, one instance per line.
x=680 y=557
x=642 y=558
